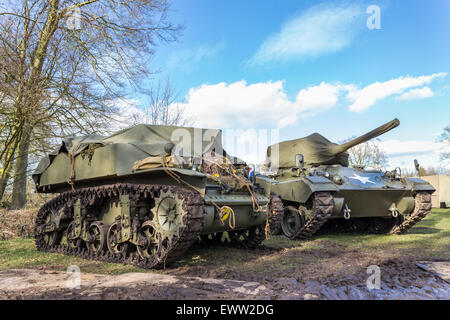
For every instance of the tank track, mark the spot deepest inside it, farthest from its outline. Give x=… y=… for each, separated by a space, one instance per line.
x=193 y=222
x=276 y=210
x=422 y=207
x=247 y=238
x=322 y=208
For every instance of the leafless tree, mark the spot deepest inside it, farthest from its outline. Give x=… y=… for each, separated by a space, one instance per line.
x=160 y=108
x=445 y=137
x=62 y=62
x=367 y=155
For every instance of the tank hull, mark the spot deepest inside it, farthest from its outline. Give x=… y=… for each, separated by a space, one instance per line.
x=356 y=193
x=372 y=203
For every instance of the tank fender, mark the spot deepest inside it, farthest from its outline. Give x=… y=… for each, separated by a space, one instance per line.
x=405 y=205
x=266 y=183
x=183 y=177
x=418 y=184
x=300 y=189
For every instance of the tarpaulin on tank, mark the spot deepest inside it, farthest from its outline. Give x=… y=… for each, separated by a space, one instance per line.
x=70 y=143
x=151 y=139
x=318 y=150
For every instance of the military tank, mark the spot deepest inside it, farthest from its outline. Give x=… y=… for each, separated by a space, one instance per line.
x=318 y=188
x=145 y=194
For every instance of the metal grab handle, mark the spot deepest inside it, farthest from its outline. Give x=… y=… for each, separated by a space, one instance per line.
x=347 y=212
x=394 y=212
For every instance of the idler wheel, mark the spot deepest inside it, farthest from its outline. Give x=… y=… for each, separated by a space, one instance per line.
x=292 y=223
x=96 y=235
x=73 y=241
x=51 y=238
x=113 y=240
x=149 y=242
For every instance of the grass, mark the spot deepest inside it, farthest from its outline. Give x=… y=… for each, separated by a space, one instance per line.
x=430 y=239
x=21 y=253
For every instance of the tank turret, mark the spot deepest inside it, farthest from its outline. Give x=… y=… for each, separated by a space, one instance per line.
x=317 y=150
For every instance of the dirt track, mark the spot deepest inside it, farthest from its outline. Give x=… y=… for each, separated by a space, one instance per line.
x=329 y=267
x=400 y=280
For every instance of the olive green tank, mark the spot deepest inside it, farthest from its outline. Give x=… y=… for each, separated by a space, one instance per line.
x=319 y=189
x=146 y=194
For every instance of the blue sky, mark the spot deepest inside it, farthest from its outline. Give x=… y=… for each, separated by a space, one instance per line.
x=304 y=67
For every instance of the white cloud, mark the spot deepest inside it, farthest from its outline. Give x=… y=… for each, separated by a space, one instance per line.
x=366 y=97
x=320 y=30
x=402 y=153
x=186 y=59
x=226 y=105
x=400 y=148
x=316 y=99
x=266 y=104
x=242 y=105
x=261 y=104
x=419 y=93
x=430 y=160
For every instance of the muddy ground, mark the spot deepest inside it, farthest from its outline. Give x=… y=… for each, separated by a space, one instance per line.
x=332 y=272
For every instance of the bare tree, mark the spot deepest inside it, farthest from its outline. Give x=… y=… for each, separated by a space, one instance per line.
x=63 y=61
x=367 y=155
x=160 y=108
x=431 y=171
x=445 y=137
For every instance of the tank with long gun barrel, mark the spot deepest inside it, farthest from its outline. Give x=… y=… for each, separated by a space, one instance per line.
x=318 y=188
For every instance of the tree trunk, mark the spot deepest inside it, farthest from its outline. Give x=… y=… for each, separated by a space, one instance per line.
x=4 y=182
x=19 y=194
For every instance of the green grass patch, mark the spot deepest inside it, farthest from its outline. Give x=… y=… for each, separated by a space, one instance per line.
x=429 y=239
x=21 y=253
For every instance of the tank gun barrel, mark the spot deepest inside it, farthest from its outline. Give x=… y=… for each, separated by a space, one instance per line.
x=368 y=136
